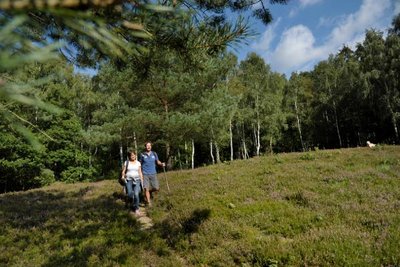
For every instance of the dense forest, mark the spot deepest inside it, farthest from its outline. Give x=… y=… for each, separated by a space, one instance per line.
x=164 y=74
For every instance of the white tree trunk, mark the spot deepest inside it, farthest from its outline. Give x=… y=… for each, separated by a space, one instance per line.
x=392 y=114
x=186 y=153
x=90 y=157
x=270 y=145
x=192 y=154
x=231 y=138
x=121 y=151
x=211 y=152
x=258 y=138
x=299 y=125
x=179 y=159
x=245 y=153
x=396 y=132
x=335 y=112
x=337 y=124
x=217 y=152
x=135 y=143
x=168 y=159
x=257 y=134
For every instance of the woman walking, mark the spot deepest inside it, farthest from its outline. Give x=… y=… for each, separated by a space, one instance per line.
x=132 y=173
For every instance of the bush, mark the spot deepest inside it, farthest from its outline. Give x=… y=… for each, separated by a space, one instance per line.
x=76 y=174
x=46 y=177
x=18 y=174
x=307 y=156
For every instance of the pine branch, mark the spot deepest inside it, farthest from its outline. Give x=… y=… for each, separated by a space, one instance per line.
x=31 y=124
x=40 y=4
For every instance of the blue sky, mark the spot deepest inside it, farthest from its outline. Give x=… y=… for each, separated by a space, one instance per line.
x=305 y=32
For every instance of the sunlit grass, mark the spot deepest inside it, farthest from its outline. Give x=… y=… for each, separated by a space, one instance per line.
x=333 y=207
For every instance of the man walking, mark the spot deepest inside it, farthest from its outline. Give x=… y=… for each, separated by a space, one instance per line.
x=149 y=159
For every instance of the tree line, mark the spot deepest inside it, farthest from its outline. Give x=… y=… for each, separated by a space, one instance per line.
x=194 y=100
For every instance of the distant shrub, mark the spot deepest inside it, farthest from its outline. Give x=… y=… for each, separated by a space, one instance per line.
x=46 y=177
x=386 y=164
x=307 y=156
x=278 y=159
x=389 y=161
x=77 y=174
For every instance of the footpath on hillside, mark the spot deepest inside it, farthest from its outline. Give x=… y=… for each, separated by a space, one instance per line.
x=145 y=221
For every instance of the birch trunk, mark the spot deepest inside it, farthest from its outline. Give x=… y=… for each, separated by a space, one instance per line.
x=192 y=154
x=121 y=151
x=392 y=114
x=298 y=124
x=258 y=137
x=258 y=145
x=211 y=152
x=337 y=124
x=231 y=138
x=135 y=142
x=396 y=132
x=179 y=159
x=335 y=112
x=90 y=157
x=186 y=155
x=245 y=153
x=168 y=159
x=217 y=152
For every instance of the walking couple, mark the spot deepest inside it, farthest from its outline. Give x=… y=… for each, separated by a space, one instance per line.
x=141 y=173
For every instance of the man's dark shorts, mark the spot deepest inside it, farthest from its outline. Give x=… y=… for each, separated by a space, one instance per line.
x=150 y=181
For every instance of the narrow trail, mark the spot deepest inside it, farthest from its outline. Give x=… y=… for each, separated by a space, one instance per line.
x=145 y=221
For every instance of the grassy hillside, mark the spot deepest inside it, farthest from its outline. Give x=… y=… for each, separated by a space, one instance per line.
x=333 y=207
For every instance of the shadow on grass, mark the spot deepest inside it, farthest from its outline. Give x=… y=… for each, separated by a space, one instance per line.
x=175 y=230
x=85 y=226
x=67 y=227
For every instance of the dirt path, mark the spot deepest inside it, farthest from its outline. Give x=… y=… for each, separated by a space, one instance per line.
x=144 y=219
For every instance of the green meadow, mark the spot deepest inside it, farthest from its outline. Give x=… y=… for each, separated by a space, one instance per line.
x=318 y=208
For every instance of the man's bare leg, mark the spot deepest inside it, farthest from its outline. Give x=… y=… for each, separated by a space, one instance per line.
x=147 y=193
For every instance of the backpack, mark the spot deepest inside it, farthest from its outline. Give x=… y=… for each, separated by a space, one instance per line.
x=121 y=180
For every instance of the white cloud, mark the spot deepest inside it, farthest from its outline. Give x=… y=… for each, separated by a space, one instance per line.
x=367 y=16
x=297 y=49
x=267 y=37
x=330 y=21
x=304 y=3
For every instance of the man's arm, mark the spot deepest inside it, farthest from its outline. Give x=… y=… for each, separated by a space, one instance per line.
x=159 y=163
